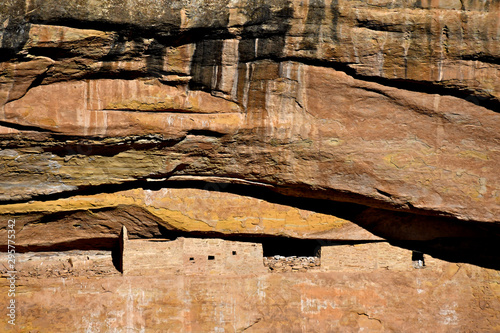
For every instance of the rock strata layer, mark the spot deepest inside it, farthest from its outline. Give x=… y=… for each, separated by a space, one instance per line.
x=320 y=119
x=390 y=105
x=450 y=298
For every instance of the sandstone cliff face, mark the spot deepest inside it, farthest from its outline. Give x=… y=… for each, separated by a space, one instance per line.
x=391 y=106
x=442 y=301
x=318 y=119
x=81 y=291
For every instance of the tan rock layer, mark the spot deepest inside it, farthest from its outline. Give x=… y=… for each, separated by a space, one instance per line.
x=450 y=298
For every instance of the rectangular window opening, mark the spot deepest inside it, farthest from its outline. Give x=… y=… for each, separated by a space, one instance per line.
x=234 y=253
x=211 y=258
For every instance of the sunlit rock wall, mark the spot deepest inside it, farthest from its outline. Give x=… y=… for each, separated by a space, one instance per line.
x=331 y=120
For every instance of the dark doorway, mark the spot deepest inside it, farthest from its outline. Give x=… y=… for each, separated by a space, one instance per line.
x=288 y=247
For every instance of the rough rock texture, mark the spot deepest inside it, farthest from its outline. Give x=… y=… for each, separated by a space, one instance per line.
x=386 y=104
x=319 y=119
x=385 y=113
x=451 y=298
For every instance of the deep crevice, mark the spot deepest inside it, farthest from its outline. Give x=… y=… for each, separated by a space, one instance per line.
x=35 y=83
x=426 y=87
x=385 y=194
x=83 y=244
x=481 y=57
x=449 y=242
x=54 y=53
x=379 y=26
x=206 y=133
x=107 y=26
x=483 y=252
x=106 y=149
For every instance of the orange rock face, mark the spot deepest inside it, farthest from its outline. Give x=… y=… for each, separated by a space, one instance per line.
x=385 y=106
x=327 y=120
x=449 y=299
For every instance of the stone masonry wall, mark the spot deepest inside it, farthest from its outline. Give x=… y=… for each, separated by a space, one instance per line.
x=217 y=256
x=148 y=257
x=194 y=256
x=280 y=264
x=64 y=264
x=368 y=257
x=191 y=256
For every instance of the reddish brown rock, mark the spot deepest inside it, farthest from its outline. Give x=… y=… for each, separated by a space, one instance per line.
x=261 y=117
x=327 y=120
x=450 y=298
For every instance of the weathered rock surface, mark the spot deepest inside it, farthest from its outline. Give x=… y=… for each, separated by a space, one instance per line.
x=449 y=298
x=372 y=104
x=318 y=119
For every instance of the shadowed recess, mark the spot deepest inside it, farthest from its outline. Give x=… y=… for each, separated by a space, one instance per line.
x=444 y=238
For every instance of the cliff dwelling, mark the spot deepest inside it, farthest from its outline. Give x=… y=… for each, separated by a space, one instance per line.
x=189 y=255
x=279 y=166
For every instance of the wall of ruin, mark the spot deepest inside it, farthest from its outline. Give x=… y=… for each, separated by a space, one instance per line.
x=85 y=263
x=150 y=257
x=219 y=256
x=191 y=256
x=368 y=257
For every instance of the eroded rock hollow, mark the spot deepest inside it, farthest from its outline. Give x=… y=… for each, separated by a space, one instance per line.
x=327 y=122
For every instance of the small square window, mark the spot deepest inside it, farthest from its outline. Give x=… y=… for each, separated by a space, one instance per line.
x=211 y=258
x=234 y=253
x=191 y=259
